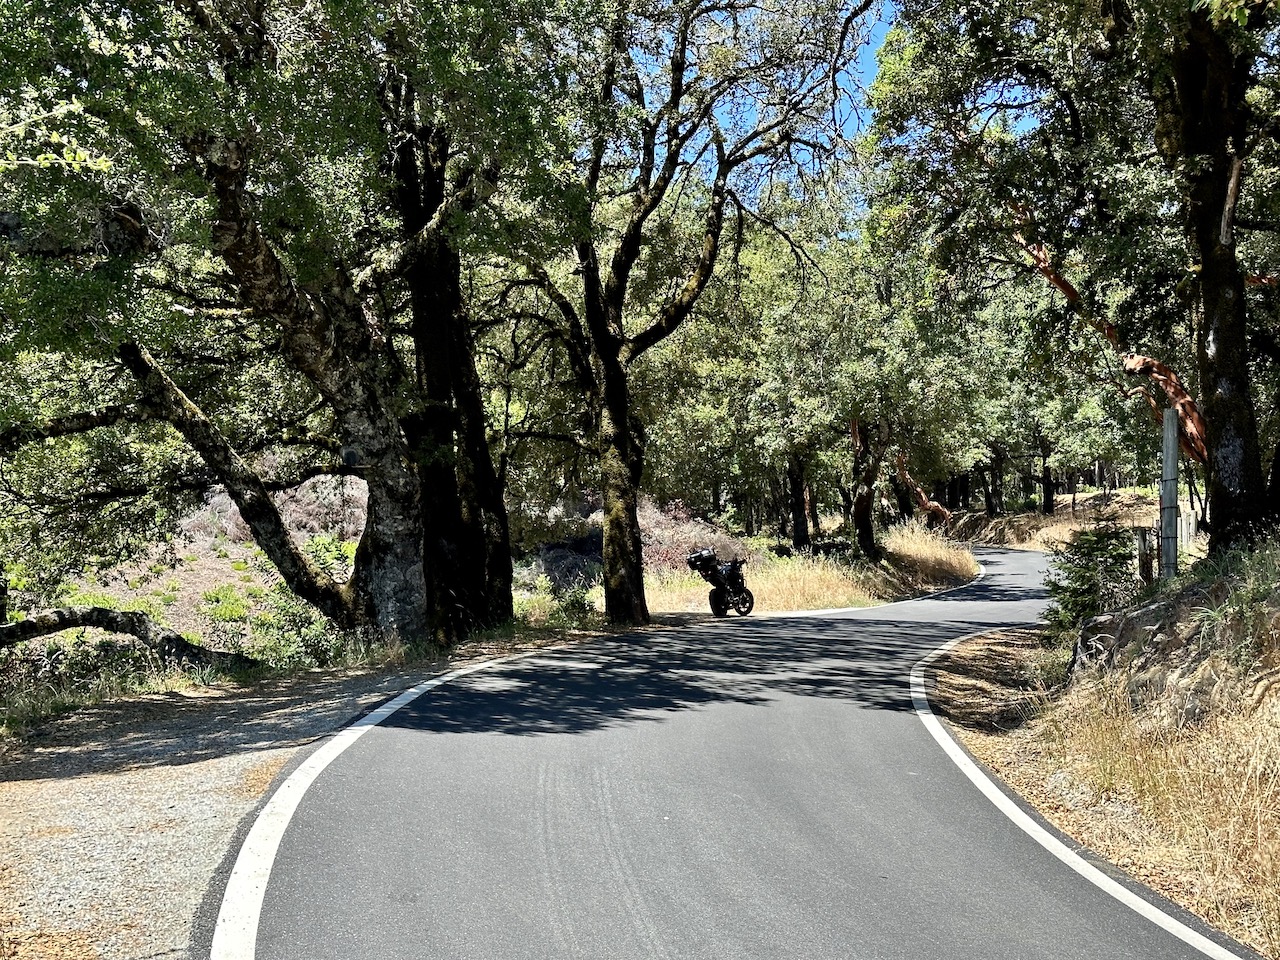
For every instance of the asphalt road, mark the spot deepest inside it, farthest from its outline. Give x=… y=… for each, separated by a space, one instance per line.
x=749 y=788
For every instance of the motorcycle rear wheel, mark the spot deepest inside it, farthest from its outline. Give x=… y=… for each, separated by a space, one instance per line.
x=719 y=601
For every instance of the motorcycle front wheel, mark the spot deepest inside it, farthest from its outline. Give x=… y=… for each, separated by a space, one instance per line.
x=744 y=602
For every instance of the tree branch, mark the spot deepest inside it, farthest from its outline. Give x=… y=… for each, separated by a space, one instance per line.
x=246 y=488
x=170 y=646
x=20 y=434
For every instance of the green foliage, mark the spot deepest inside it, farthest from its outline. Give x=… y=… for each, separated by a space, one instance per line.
x=225 y=604
x=1243 y=622
x=335 y=557
x=290 y=633
x=1092 y=573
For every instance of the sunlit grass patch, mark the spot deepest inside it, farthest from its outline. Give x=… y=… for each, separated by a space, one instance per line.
x=1209 y=791
x=930 y=556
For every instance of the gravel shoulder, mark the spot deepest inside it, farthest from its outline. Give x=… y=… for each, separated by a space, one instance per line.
x=116 y=817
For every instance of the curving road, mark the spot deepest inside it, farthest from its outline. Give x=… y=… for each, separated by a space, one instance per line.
x=758 y=788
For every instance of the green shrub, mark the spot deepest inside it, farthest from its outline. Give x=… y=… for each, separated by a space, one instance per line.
x=224 y=604
x=292 y=633
x=1093 y=573
x=574 y=606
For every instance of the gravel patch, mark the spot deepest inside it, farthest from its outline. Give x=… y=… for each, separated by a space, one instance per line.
x=116 y=818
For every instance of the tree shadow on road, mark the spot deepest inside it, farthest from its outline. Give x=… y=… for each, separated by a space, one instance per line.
x=864 y=662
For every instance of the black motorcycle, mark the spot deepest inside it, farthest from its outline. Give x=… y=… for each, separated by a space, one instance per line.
x=728 y=587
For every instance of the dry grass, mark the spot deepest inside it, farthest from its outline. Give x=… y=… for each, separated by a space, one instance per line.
x=793 y=583
x=1208 y=793
x=928 y=555
x=918 y=560
x=1037 y=531
x=1193 y=813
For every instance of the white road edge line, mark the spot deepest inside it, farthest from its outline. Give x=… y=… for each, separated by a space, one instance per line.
x=235 y=934
x=920 y=700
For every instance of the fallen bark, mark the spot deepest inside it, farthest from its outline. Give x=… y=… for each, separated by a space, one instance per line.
x=169 y=646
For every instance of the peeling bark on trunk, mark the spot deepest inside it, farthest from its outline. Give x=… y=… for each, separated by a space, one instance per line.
x=168 y=645
x=935 y=510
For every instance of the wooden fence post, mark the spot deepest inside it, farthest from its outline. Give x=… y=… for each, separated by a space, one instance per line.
x=1146 y=565
x=1169 y=498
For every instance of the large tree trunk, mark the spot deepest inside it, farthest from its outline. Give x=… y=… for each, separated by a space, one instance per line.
x=621 y=465
x=465 y=539
x=795 y=498
x=864 y=530
x=998 y=460
x=811 y=506
x=1211 y=79
x=328 y=338
x=484 y=509
x=1047 y=505
x=869 y=448
x=455 y=555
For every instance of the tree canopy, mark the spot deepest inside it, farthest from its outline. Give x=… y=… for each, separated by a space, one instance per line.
x=475 y=259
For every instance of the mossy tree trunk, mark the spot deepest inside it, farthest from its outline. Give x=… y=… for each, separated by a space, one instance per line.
x=621 y=464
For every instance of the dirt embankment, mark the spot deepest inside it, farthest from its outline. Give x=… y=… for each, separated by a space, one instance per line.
x=1038 y=531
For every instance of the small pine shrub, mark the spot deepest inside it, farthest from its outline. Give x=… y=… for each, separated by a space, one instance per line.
x=1092 y=573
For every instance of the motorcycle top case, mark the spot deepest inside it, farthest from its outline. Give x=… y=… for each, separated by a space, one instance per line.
x=702 y=560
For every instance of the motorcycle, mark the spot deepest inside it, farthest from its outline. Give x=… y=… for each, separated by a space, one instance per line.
x=728 y=588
